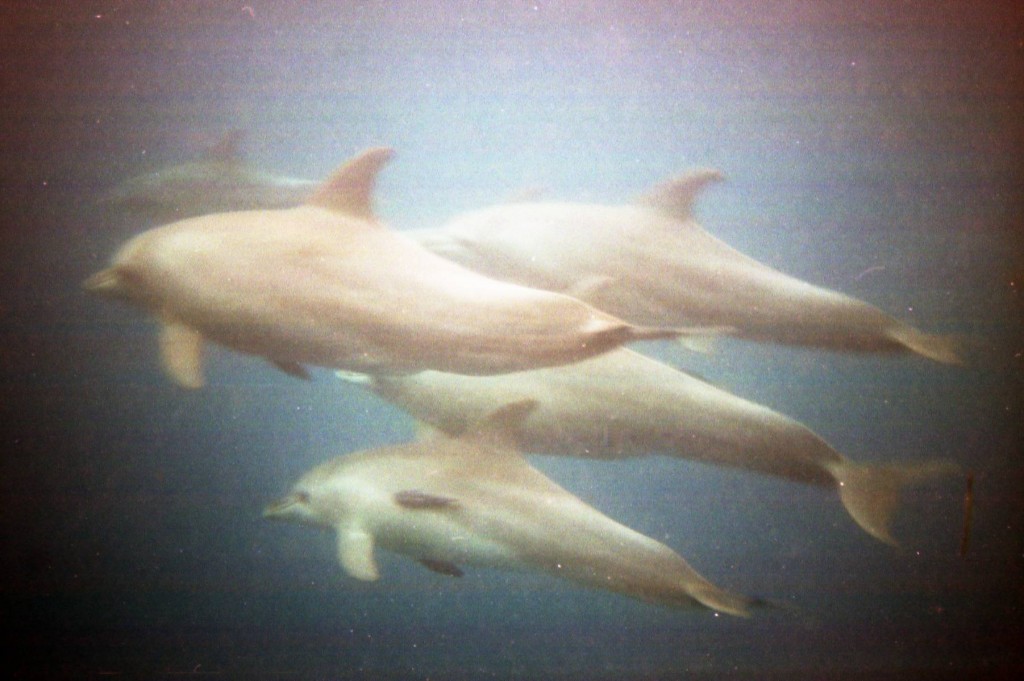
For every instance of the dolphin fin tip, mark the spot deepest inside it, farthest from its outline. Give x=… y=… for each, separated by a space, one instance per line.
x=502 y=425
x=294 y=369
x=181 y=352
x=354 y=377
x=870 y=493
x=677 y=195
x=228 y=148
x=350 y=189
x=942 y=349
x=355 y=553
x=442 y=567
x=727 y=602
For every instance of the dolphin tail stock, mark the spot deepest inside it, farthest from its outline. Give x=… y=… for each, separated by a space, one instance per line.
x=870 y=493
x=943 y=349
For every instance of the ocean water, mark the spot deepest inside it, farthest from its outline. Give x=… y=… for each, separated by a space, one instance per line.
x=871 y=147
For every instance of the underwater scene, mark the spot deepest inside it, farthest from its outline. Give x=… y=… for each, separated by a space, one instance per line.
x=512 y=340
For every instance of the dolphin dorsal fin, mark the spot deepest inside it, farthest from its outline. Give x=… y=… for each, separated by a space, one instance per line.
x=228 y=149
x=675 y=196
x=501 y=426
x=355 y=552
x=350 y=189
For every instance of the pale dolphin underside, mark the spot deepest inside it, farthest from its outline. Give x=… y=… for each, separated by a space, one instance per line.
x=220 y=181
x=326 y=284
x=652 y=263
x=624 y=404
x=474 y=500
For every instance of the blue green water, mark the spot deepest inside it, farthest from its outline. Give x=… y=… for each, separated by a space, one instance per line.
x=854 y=137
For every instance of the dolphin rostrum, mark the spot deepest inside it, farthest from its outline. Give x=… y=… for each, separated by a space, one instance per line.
x=652 y=263
x=474 y=500
x=220 y=181
x=624 y=404
x=326 y=284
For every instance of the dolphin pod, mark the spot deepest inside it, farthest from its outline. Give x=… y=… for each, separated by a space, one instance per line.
x=624 y=404
x=474 y=500
x=503 y=330
x=326 y=284
x=650 y=262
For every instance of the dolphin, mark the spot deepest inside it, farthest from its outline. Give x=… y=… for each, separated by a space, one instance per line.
x=326 y=284
x=650 y=262
x=220 y=181
x=474 y=500
x=624 y=404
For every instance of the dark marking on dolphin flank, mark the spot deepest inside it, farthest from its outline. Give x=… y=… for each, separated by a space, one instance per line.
x=417 y=499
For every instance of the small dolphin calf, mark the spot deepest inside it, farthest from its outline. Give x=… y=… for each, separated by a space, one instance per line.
x=624 y=404
x=326 y=284
x=474 y=500
x=651 y=263
x=220 y=181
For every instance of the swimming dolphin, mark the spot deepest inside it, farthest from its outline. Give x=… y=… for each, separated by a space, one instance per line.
x=651 y=263
x=218 y=182
x=474 y=500
x=624 y=404
x=326 y=284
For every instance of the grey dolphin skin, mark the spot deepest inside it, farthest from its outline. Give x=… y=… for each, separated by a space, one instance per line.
x=652 y=263
x=326 y=284
x=219 y=182
x=474 y=500
x=624 y=404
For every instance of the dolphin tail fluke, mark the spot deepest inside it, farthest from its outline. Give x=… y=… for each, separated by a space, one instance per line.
x=720 y=600
x=871 y=493
x=942 y=349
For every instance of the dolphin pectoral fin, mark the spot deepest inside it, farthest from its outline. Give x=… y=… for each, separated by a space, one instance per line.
x=442 y=567
x=293 y=369
x=870 y=493
x=181 y=352
x=416 y=500
x=355 y=552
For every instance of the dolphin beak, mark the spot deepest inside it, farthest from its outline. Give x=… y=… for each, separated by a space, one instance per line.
x=282 y=509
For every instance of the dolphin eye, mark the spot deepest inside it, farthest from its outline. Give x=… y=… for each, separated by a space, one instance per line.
x=302 y=497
